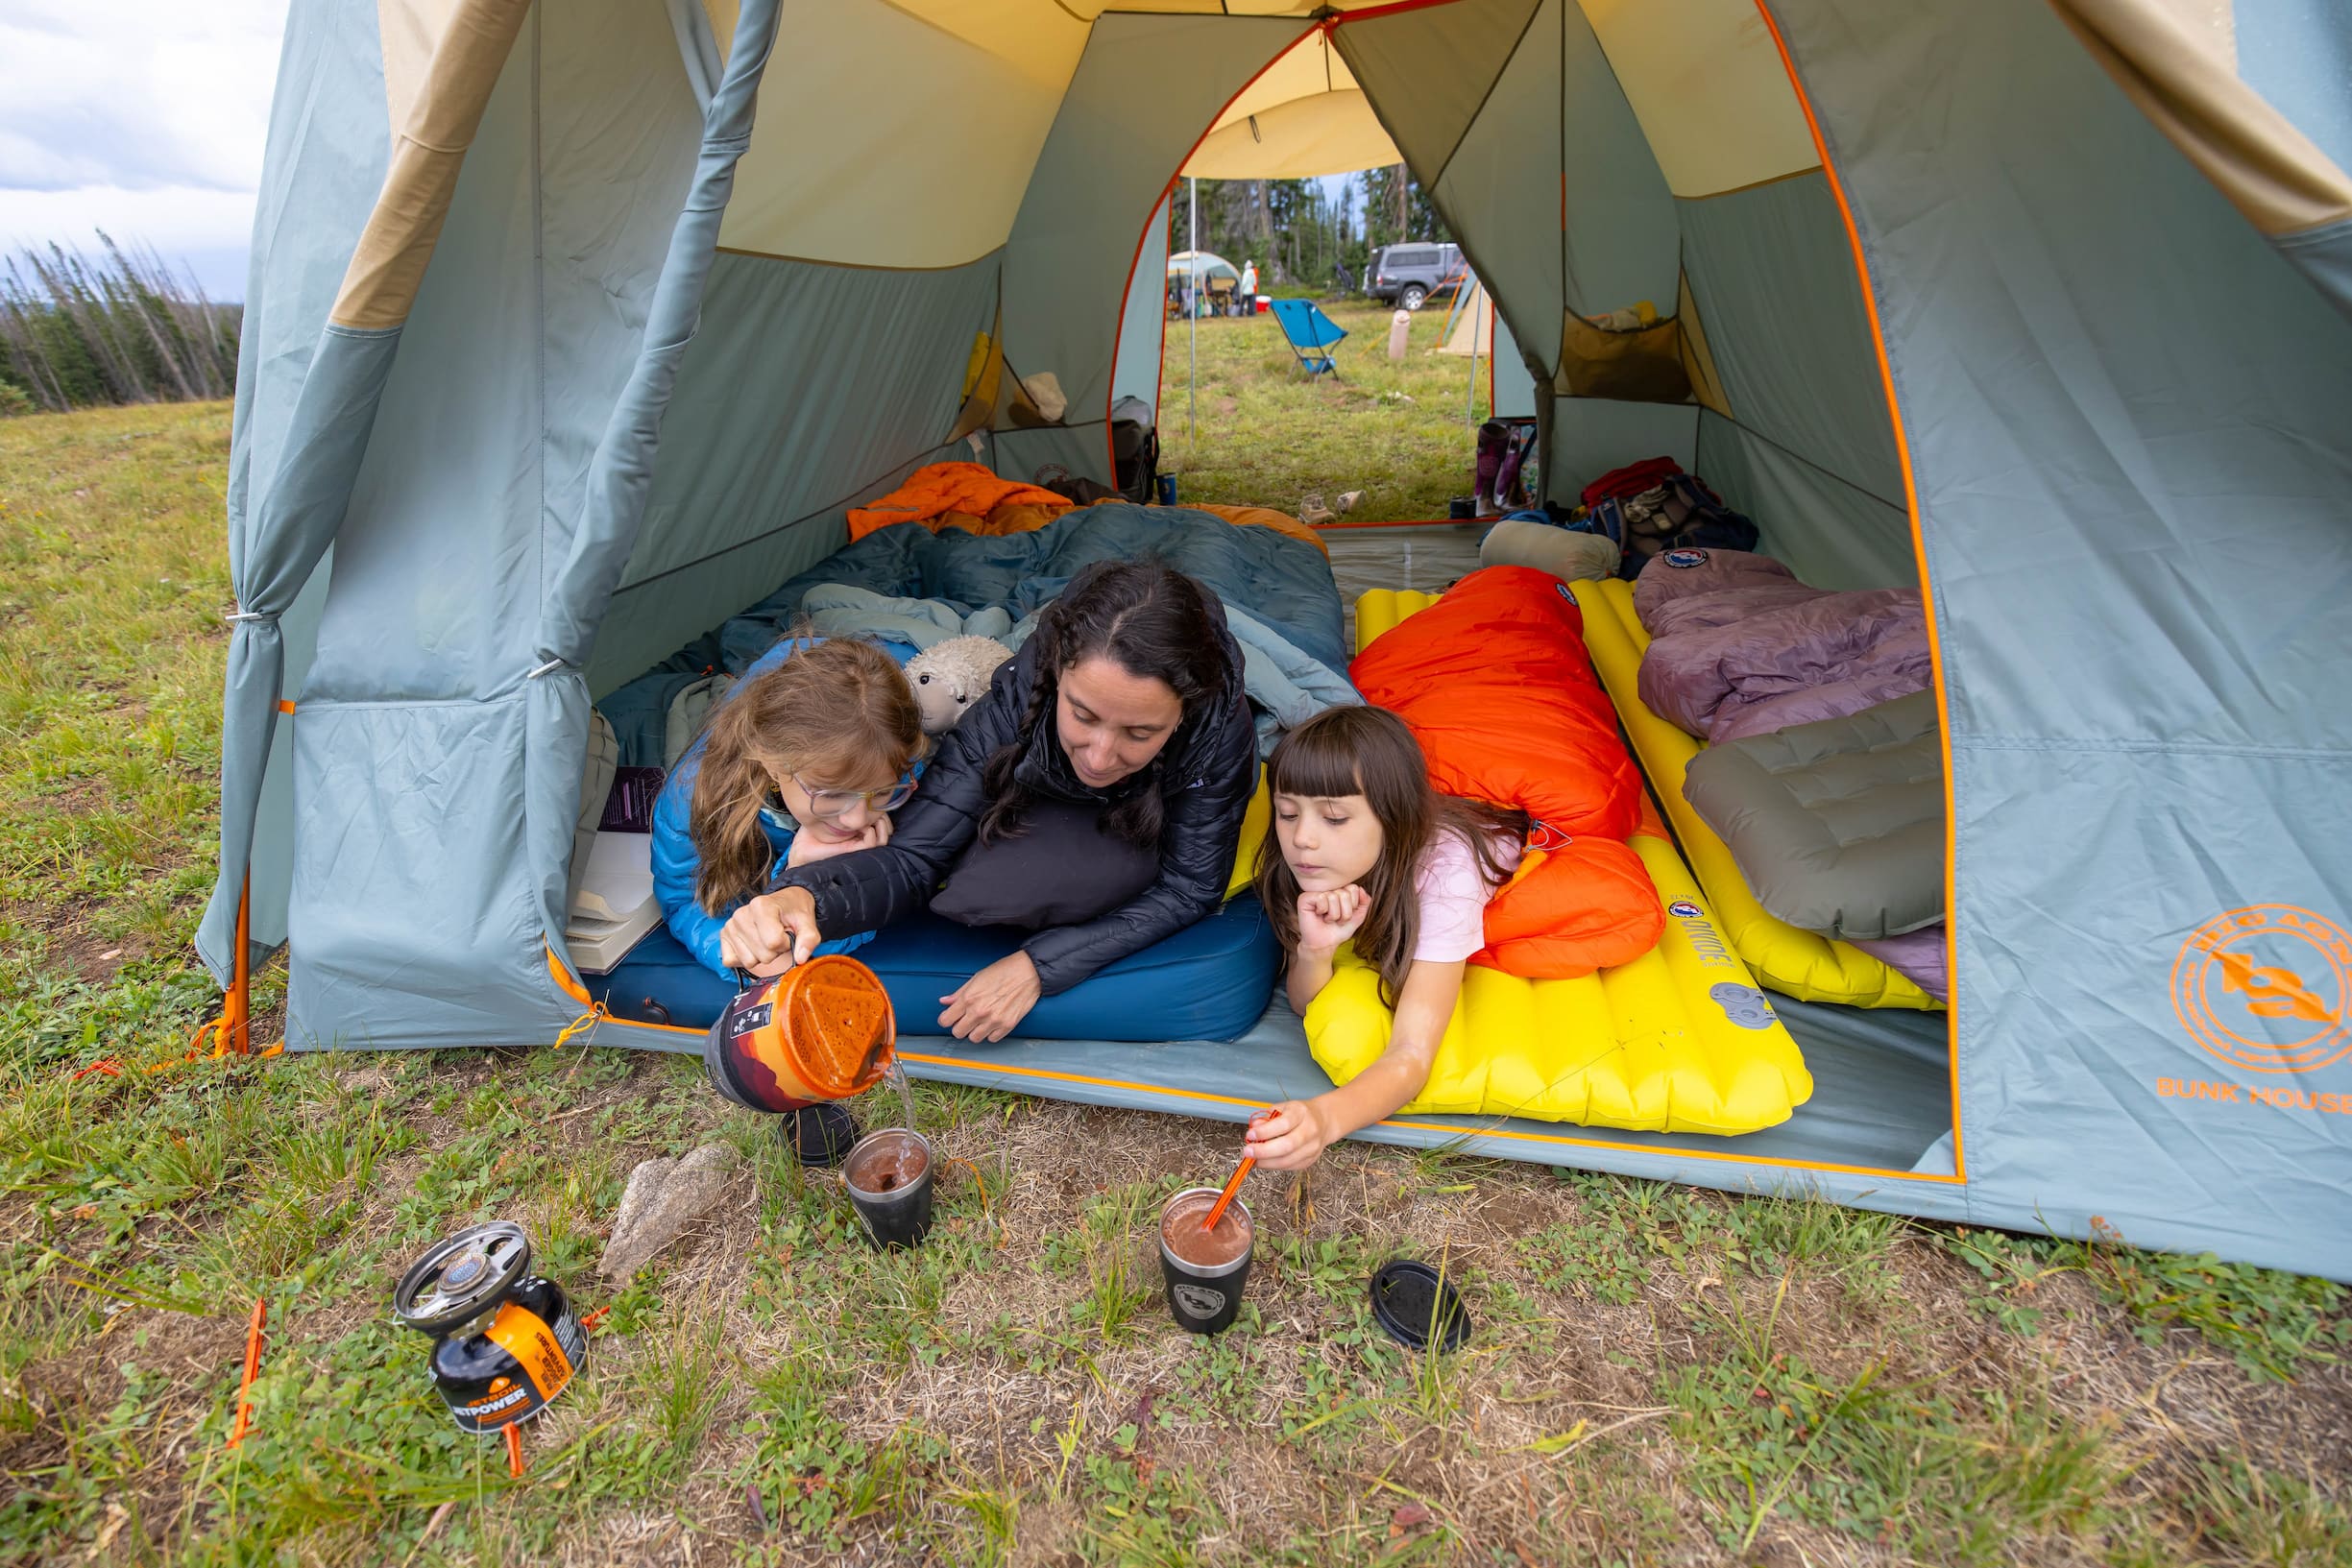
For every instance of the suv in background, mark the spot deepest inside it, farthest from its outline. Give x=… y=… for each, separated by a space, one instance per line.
x=1408 y=274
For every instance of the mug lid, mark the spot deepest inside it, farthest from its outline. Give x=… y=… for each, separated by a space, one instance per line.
x=1409 y=1299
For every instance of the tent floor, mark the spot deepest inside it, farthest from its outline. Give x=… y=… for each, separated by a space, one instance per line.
x=1425 y=556
x=1882 y=1091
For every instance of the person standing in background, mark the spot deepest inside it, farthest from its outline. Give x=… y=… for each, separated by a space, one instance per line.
x=1248 y=300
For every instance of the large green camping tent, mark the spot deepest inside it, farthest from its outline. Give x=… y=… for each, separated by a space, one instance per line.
x=573 y=327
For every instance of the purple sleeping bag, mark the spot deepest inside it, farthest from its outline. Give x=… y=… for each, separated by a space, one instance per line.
x=1739 y=648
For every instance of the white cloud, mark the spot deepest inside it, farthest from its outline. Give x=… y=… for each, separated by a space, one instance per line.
x=142 y=117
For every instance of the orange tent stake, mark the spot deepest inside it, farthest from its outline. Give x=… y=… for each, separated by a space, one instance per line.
x=252 y=1369
x=232 y=1031
x=514 y=1449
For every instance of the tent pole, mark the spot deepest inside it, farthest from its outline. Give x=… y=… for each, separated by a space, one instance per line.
x=1469 y=398
x=1192 y=329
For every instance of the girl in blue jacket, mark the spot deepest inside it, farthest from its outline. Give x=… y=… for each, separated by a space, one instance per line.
x=804 y=759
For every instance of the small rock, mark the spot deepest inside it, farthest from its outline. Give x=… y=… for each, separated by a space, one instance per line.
x=663 y=1197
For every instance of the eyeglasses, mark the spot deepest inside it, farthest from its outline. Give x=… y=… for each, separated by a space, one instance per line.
x=832 y=803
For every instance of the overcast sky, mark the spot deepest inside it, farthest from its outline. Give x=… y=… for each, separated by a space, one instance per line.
x=141 y=117
x=144 y=118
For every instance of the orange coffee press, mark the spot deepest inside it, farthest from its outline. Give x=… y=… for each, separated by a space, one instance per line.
x=819 y=1032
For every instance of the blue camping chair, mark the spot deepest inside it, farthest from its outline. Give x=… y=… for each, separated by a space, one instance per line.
x=1311 y=334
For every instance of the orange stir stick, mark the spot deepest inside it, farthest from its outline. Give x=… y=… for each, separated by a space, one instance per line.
x=1217 y=1210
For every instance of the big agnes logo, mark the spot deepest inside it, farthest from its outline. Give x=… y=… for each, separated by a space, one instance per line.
x=2264 y=987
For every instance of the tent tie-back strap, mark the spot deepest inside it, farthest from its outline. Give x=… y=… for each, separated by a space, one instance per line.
x=586 y=1020
x=237 y=618
x=548 y=668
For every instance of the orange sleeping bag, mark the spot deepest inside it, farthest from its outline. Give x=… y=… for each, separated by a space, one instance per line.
x=960 y=495
x=1496 y=684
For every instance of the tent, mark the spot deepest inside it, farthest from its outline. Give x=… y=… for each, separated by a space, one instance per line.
x=571 y=330
x=1203 y=266
x=1470 y=325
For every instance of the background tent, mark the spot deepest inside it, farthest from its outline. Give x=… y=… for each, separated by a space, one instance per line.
x=571 y=330
x=1203 y=267
x=1469 y=327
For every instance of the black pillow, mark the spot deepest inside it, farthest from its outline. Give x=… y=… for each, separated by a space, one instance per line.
x=1061 y=869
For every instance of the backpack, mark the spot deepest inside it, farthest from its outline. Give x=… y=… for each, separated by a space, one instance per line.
x=1075 y=489
x=1677 y=514
x=1134 y=444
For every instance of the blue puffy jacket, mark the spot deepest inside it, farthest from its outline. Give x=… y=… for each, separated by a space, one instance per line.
x=677 y=863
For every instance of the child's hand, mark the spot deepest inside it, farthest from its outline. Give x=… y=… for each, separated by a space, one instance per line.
x=1325 y=919
x=808 y=846
x=1290 y=1138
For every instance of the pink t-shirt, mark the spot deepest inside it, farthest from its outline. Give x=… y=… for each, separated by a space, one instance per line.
x=1454 y=896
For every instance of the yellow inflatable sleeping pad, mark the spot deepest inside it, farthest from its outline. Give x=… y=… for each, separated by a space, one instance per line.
x=1254 y=820
x=1798 y=963
x=1680 y=1040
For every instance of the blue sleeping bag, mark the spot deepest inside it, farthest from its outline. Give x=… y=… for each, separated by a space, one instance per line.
x=1282 y=581
x=1209 y=981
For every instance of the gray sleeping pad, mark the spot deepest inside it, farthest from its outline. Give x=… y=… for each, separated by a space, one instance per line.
x=1839 y=826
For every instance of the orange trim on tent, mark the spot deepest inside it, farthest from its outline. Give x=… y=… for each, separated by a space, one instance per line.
x=1420 y=1126
x=1918 y=551
x=579 y=993
x=285 y=704
x=572 y=988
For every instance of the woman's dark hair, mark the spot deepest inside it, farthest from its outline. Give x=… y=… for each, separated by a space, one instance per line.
x=1153 y=623
x=1371 y=752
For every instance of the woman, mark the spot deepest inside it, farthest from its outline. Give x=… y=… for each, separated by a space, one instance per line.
x=804 y=759
x=1095 y=795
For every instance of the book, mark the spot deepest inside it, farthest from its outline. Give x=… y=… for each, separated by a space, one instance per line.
x=630 y=806
x=614 y=906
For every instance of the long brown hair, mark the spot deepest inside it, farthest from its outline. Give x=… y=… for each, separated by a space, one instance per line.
x=841 y=707
x=1151 y=621
x=1370 y=752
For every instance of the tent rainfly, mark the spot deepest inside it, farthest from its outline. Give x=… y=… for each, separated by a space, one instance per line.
x=571 y=330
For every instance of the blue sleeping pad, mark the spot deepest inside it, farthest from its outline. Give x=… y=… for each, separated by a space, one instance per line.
x=1208 y=982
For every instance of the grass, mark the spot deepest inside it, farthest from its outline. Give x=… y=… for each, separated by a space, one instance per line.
x=1658 y=1375
x=1260 y=433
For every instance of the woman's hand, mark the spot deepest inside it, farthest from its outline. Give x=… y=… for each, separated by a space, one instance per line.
x=1325 y=919
x=991 y=1004
x=1290 y=1138
x=771 y=934
x=809 y=846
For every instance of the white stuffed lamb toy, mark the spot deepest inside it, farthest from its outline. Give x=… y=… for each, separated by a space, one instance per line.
x=947 y=677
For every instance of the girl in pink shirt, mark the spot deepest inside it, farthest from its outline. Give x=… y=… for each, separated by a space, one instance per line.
x=1364 y=851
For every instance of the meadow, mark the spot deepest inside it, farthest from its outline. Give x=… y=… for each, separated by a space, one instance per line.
x=1658 y=1375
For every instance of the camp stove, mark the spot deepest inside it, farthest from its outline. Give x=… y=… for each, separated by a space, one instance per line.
x=505 y=1341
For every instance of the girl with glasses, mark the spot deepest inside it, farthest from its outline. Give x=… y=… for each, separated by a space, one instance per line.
x=805 y=760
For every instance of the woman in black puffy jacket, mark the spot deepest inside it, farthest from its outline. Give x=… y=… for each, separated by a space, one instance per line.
x=1093 y=796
